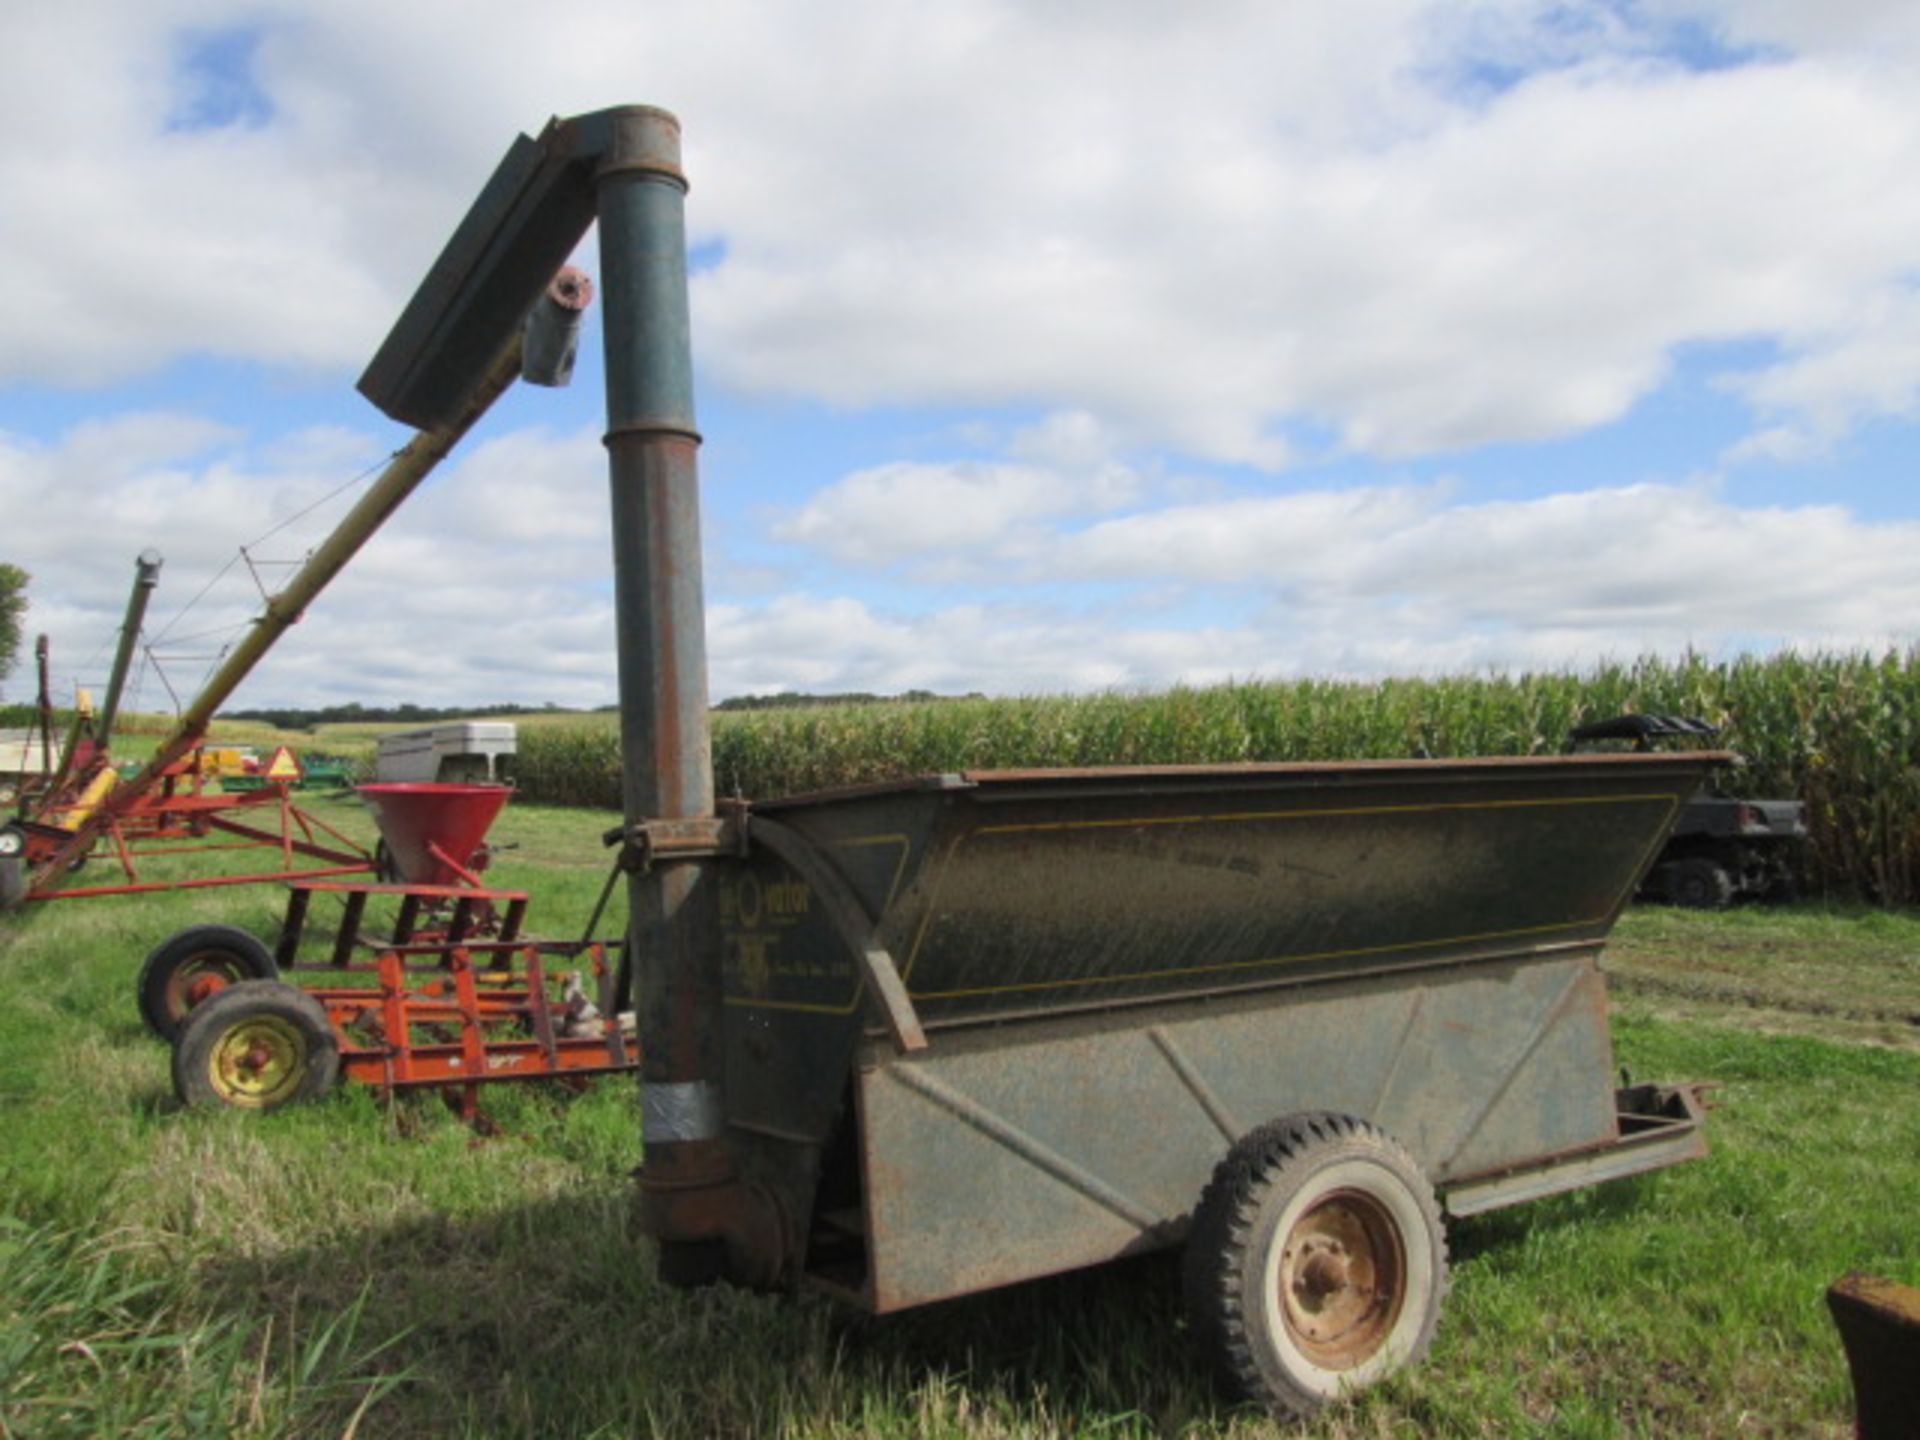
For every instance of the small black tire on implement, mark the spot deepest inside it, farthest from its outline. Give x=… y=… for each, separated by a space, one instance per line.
x=256 y=1045
x=691 y=1264
x=1317 y=1263
x=191 y=966
x=13 y=881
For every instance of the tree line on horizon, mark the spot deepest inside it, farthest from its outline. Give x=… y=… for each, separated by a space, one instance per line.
x=309 y=717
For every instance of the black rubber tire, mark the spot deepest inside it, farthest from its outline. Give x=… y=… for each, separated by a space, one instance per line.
x=286 y=1026
x=216 y=953
x=1307 y=1190
x=692 y=1264
x=13 y=843
x=13 y=882
x=1700 y=882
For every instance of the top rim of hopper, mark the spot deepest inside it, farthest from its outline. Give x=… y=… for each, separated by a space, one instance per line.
x=1218 y=775
x=427 y=787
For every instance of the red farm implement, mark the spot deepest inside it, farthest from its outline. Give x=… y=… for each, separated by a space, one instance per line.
x=178 y=814
x=79 y=809
x=446 y=992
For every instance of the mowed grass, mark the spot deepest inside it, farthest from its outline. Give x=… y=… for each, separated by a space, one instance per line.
x=1847 y=974
x=353 y=1267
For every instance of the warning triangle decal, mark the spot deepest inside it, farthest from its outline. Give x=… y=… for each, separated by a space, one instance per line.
x=283 y=766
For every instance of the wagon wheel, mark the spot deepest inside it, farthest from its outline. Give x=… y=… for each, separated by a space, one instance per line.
x=1700 y=883
x=191 y=967
x=256 y=1045
x=1316 y=1264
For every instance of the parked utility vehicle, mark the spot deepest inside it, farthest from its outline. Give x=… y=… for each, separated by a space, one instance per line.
x=1724 y=850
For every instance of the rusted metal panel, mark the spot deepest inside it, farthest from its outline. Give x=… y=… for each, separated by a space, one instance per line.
x=1879 y=1323
x=1659 y=1126
x=1012 y=1151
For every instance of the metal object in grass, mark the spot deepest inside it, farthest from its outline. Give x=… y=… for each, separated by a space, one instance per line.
x=920 y=1039
x=176 y=813
x=419 y=1013
x=462 y=751
x=83 y=810
x=451 y=995
x=433 y=841
x=435 y=832
x=1879 y=1324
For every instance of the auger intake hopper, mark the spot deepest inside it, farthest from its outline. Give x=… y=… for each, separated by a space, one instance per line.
x=434 y=830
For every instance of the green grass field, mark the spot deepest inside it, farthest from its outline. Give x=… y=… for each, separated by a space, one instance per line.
x=354 y=1268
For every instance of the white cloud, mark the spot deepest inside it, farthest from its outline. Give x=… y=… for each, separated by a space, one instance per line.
x=495 y=581
x=1206 y=231
x=1866 y=370
x=1070 y=439
x=1245 y=232
x=1868 y=33
x=1517 y=270
x=895 y=515
x=830 y=644
x=1369 y=580
x=1273 y=540
x=1656 y=566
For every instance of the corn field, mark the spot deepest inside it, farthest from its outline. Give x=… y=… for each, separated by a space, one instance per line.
x=1838 y=731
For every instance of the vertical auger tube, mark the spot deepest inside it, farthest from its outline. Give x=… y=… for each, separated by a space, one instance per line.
x=689 y=1194
x=408 y=468
x=146 y=575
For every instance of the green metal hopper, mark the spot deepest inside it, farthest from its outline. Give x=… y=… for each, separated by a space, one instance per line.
x=1120 y=973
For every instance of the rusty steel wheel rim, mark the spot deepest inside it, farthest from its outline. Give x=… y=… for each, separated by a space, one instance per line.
x=1342 y=1279
x=259 y=1062
x=199 y=980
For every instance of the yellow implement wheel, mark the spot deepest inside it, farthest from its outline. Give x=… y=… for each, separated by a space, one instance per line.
x=255 y=1045
x=258 y=1063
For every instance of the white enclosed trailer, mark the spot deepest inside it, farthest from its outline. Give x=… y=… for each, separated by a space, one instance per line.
x=469 y=752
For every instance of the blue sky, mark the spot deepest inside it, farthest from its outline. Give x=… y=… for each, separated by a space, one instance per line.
x=1041 y=347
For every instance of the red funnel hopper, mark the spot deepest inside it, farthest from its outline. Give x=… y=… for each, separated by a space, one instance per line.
x=433 y=830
